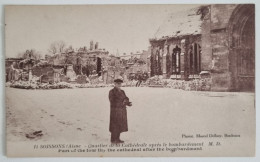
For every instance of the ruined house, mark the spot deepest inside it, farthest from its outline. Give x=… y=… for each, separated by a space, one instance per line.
x=84 y=61
x=216 y=39
x=47 y=73
x=135 y=62
x=8 y=63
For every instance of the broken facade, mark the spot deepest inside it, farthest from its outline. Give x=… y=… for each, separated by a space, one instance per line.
x=218 y=39
x=84 y=61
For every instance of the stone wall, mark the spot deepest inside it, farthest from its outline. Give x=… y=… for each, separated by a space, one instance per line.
x=221 y=76
x=41 y=70
x=220 y=15
x=206 y=55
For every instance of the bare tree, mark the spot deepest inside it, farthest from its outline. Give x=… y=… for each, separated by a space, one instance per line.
x=52 y=48
x=61 y=46
x=57 y=47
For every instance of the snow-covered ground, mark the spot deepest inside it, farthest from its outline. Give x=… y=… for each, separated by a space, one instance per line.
x=157 y=114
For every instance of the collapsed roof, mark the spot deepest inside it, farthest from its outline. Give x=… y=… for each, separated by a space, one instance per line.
x=186 y=22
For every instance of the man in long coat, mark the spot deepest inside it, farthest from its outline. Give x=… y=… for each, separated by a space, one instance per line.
x=118 y=115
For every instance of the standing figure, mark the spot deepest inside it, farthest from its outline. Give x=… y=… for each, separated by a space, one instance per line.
x=11 y=74
x=118 y=115
x=139 y=80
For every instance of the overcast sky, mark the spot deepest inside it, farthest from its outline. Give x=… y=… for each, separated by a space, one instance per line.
x=123 y=27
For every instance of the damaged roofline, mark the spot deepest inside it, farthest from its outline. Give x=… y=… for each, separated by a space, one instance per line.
x=172 y=38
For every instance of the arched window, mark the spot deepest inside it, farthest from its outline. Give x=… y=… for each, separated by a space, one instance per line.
x=176 y=60
x=158 y=59
x=195 y=59
x=99 y=66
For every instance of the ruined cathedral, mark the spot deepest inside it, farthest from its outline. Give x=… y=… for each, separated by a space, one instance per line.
x=215 y=39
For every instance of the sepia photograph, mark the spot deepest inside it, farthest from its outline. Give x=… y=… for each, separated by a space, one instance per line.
x=130 y=80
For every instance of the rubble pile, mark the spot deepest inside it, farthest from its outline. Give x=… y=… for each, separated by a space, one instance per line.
x=200 y=84
x=129 y=83
x=20 y=84
x=192 y=85
x=37 y=85
x=88 y=85
x=81 y=79
x=156 y=81
x=59 y=85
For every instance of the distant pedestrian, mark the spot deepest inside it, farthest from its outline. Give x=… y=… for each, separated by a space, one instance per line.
x=139 y=80
x=12 y=71
x=145 y=76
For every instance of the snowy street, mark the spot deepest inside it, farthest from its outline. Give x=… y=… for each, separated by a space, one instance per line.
x=157 y=114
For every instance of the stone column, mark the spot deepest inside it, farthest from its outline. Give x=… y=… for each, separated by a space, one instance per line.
x=186 y=63
x=164 y=65
x=91 y=45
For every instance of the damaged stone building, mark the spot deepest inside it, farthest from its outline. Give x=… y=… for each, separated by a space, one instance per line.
x=84 y=61
x=215 y=39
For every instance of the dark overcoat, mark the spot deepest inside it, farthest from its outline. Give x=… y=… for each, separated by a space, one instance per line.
x=118 y=114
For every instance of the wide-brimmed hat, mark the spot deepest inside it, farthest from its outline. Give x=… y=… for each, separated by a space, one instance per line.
x=118 y=81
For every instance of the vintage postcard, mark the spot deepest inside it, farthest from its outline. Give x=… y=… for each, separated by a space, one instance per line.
x=130 y=80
